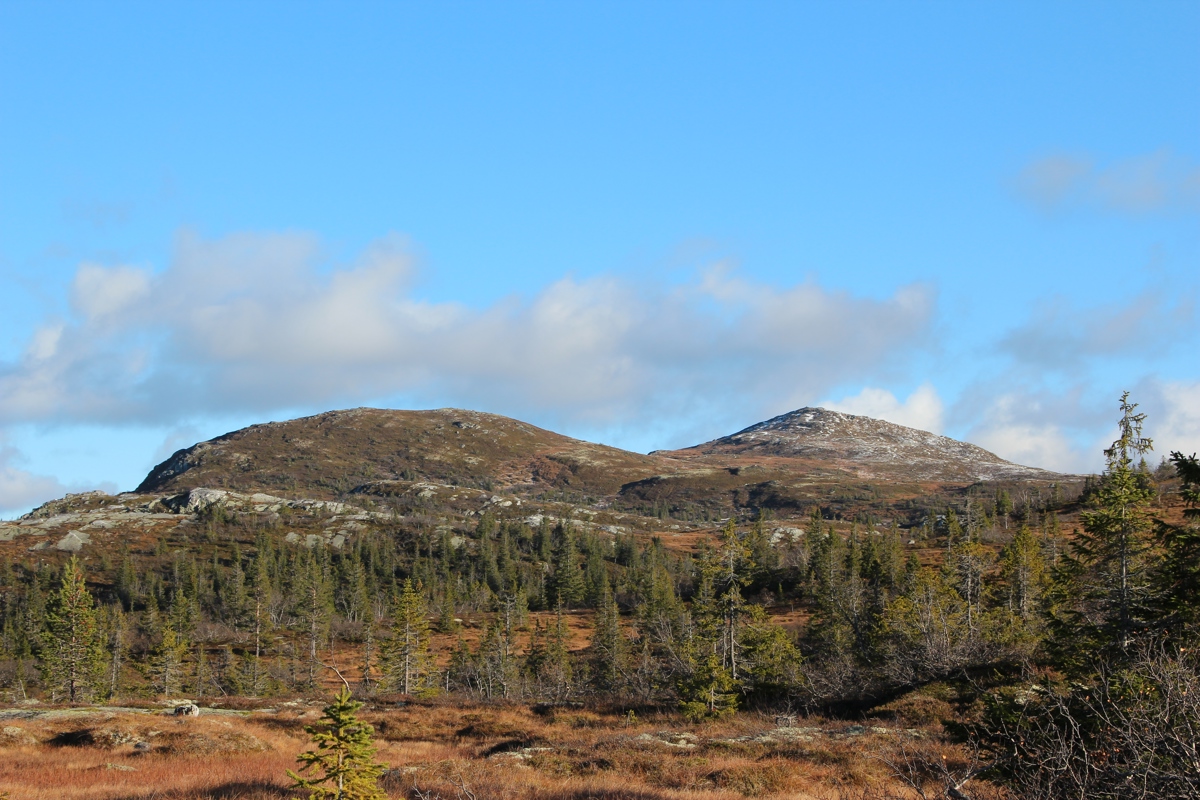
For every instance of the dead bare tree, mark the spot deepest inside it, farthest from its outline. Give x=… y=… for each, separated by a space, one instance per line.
x=1131 y=733
x=938 y=777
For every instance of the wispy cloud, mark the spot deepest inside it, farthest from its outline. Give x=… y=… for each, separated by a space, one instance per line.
x=254 y=322
x=1153 y=182
x=1022 y=416
x=1173 y=415
x=1038 y=444
x=1062 y=337
x=19 y=488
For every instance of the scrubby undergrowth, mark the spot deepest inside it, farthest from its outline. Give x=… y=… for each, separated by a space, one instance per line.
x=450 y=750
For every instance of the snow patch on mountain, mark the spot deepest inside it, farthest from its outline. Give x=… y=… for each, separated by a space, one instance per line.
x=870 y=446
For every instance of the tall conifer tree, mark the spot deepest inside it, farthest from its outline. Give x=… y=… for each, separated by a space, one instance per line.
x=1105 y=579
x=567 y=585
x=608 y=645
x=72 y=651
x=408 y=650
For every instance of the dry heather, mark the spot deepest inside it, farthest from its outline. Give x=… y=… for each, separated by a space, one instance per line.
x=108 y=756
x=449 y=750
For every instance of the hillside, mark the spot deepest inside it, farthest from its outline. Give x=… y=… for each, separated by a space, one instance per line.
x=848 y=466
x=866 y=447
x=339 y=451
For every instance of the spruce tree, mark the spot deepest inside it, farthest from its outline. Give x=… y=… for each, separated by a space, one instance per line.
x=369 y=655
x=1177 y=579
x=1104 y=581
x=706 y=686
x=608 y=645
x=447 y=621
x=837 y=594
x=595 y=577
x=543 y=541
x=567 y=588
x=117 y=629
x=1023 y=573
x=486 y=554
x=507 y=561
x=33 y=614
x=772 y=660
x=709 y=690
x=763 y=559
x=1004 y=506
x=72 y=652
x=408 y=650
x=342 y=766
x=967 y=564
x=167 y=662
x=315 y=606
x=352 y=598
x=261 y=590
x=556 y=673
x=735 y=567
x=127 y=579
x=1187 y=468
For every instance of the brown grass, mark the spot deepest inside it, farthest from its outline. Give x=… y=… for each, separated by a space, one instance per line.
x=90 y=774
x=496 y=751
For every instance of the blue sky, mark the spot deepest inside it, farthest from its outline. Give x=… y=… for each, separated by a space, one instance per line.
x=643 y=224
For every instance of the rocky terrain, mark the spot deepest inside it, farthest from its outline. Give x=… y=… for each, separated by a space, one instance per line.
x=867 y=447
x=325 y=478
x=363 y=450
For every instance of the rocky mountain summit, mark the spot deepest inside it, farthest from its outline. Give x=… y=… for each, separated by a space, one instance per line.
x=867 y=447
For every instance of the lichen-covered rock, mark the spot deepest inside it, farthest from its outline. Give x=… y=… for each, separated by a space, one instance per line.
x=73 y=542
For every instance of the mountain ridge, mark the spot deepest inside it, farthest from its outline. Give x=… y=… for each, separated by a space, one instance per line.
x=334 y=452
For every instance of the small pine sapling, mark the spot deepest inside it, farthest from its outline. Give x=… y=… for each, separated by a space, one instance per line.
x=343 y=766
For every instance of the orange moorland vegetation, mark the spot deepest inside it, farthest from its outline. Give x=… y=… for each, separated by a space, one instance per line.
x=455 y=750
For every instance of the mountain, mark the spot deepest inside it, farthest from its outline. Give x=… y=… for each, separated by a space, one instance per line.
x=339 y=451
x=333 y=476
x=849 y=464
x=864 y=446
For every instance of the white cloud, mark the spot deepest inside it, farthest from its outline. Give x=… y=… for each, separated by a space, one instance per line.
x=1037 y=428
x=1046 y=446
x=1142 y=184
x=923 y=409
x=1173 y=418
x=99 y=291
x=43 y=345
x=255 y=322
x=19 y=489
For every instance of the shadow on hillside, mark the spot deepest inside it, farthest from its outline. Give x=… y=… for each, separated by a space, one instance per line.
x=79 y=738
x=604 y=794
